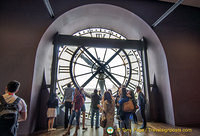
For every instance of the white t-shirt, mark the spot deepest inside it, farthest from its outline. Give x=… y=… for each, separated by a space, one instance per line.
x=11 y=98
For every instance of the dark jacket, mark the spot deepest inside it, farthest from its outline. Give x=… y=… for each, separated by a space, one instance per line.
x=141 y=100
x=52 y=103
x=95 y=98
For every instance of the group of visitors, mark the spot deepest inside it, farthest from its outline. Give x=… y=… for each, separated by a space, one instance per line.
x=74 y=101
x=109 y=103
x=124 y=116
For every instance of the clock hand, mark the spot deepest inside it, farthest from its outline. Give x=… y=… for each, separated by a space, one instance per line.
x=101 y=75
x=90 y=63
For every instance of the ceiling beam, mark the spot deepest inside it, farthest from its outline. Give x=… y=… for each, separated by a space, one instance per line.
x=70 y=40
x=167 y=12
x=48 y=6
x=192 y=3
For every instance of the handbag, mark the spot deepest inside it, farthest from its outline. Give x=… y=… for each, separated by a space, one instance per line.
x=103 y=120
x=128 y=106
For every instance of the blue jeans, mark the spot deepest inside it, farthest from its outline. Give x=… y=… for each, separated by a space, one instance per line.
x=142 y=111
x=83 y=108
x=125 y=124
x=97 y=117
x=77 y=114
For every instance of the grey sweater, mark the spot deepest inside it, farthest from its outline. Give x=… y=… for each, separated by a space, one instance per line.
x=68 y=94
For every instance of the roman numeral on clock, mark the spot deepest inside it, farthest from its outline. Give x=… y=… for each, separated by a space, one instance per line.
x=69 y=51
x=135 y=71
x=100 y=35
x=63 y=69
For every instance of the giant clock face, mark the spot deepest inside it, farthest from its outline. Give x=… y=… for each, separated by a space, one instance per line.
x=100 y=68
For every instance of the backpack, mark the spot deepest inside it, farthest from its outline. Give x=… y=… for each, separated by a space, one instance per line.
x=8 y=116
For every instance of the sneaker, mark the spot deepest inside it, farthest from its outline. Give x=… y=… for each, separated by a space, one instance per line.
x=96 y=127
x=53 y=129
x=118 y=117
x=66 y=134
x=91 y=126
x=85 y=128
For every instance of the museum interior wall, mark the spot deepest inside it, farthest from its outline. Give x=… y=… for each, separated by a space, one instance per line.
x=23 y=24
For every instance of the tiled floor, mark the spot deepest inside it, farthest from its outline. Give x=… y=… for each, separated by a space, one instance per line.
x=153 y=129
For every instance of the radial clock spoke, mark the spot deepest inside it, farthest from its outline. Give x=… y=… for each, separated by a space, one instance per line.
x=83 y=74
x=104 y=55
x=93 y=75
x=119 y=65
x=82 y=64
x=119 y=84
x=111 y=58
x=96 y=52
x=118 y=75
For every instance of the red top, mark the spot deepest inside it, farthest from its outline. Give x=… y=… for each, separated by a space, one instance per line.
x=10 y=93
x=78 y=100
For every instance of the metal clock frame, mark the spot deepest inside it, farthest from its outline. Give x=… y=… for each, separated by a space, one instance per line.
x=60 y=40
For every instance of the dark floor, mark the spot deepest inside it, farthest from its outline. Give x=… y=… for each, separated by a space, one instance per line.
x=153 y=129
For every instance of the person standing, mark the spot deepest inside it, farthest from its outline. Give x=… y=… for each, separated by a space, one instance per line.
x=68 y=103
x=109 y=110
x=8 y=126
x=141 y=103
x=83 y=109
x=110 y=91
x=131 y=95
x=124 y=116
x=117 y=106
x=95 y=101
x=51 y=112
x=76 y=110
